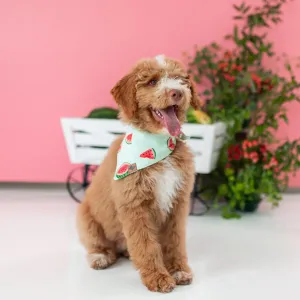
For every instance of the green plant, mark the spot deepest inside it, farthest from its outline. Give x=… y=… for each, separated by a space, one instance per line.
x=251 y=98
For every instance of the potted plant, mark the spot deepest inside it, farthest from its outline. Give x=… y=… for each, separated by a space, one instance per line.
x=251 y=99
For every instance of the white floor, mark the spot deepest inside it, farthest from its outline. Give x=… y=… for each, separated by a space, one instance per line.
x=257 y=257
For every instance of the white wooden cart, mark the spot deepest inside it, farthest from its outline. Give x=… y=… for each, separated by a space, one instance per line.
x=87 y=141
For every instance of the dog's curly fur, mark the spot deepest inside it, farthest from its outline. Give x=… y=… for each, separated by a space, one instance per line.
x=125 y=217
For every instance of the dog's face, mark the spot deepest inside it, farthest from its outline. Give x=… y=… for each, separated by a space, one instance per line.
x=155 y=95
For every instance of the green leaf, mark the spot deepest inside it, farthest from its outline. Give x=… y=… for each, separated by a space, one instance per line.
x=284 y=118
x=257 y=20
x=238 y=8
x=240 y=187
x=232 y=202
x=236 y=34
x=288 y=67
x=261 y=128
x=223 y=190
x=276 y=20
x=242 y=205
x=247 y=8
x=196 y=79
x=297 y=165
x=252 y=106
x=215 y=46
x=228 y=214
x=207 y=93
x=229 y=172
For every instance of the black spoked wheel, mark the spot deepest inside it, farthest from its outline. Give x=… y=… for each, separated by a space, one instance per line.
x=199 y=206
x=78 y=180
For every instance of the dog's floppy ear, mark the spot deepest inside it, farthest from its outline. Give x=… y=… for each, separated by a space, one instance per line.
x=124 y=93
x=195 y=100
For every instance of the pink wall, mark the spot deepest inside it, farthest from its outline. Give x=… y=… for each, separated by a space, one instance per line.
x=61 y=57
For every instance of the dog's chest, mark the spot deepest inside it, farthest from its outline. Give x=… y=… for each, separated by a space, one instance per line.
x=168 y=182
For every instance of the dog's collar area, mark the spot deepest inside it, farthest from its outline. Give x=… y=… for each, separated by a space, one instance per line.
x=183 y=137
x=141 y=149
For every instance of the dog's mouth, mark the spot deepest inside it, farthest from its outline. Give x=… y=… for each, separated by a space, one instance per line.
x=168 y=118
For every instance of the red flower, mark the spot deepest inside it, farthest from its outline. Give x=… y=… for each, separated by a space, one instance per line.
x=228 y=54
x=223 y=65
x=237 y=156
x=257 y=80
x=267 y=84
x=245 y=144
x=249 y=144
x=263 y=148
x=229 y=77
x=235 y=152
x=273 y=162
x=254 y=157
x=227 y=166
x=237 y=68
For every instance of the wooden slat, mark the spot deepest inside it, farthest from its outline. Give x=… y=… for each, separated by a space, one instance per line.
x=220 y=129
x=214 y=159
x=197 y=146
x=94 y=139
x=218 y=143
x=90 y=155
x=96 y=125
x=196 y=130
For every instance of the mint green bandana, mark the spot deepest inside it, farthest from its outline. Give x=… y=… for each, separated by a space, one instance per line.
x=140 y=149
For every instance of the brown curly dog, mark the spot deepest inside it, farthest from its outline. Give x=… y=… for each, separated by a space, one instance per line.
x=144 y=215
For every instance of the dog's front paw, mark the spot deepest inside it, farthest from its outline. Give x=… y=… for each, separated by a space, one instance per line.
x=99 y=261
x=157 y=282
x=183 y=278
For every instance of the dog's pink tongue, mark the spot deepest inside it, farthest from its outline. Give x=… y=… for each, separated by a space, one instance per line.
x=170 y=120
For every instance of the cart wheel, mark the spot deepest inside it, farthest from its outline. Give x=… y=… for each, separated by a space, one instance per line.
x=199 y=207
x=78 y=180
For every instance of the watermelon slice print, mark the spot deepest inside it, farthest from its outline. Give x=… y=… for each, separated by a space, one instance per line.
x=171 y=144
x=132 y=168
x=150 y=153
x=123 y=170
x=128 y=138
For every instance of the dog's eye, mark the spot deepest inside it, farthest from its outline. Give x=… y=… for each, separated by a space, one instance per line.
x=152 y=82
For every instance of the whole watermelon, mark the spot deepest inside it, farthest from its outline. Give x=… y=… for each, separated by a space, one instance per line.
x=103 y=113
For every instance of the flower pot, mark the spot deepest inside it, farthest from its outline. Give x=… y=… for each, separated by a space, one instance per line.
x=252 y=202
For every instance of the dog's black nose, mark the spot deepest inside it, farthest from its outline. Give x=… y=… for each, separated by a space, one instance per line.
x=175 y=95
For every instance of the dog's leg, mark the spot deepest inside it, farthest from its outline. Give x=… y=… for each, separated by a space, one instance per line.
x=173 y=244
x=145 y=251
x=101 y=252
